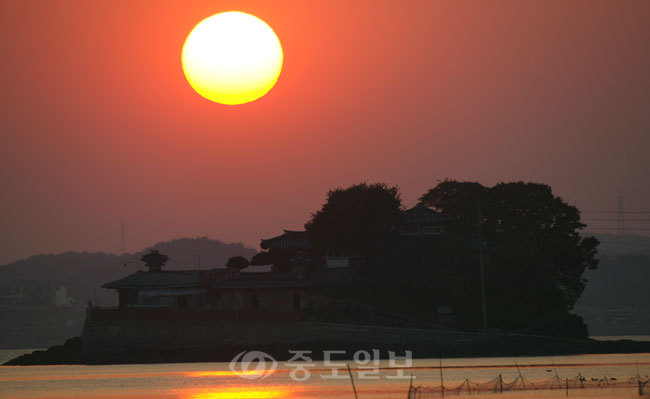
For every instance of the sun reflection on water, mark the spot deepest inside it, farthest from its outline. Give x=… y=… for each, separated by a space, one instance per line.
x=249 y=392
x=228 y=373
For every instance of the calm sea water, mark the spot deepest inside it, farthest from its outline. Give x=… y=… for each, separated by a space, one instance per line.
x=216 y=381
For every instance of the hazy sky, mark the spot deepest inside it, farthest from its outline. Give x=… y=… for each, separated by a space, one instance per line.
x=98 y=122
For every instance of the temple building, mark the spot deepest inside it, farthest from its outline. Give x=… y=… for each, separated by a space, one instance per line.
x=163 y=289
x=298 y=277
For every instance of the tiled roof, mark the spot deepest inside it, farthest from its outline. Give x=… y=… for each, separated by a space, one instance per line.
x=163 y=279
x=288 y=240
x=421 y=214
x=261 y=280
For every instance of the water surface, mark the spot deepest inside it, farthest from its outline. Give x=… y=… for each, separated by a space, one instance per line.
x=217 y=381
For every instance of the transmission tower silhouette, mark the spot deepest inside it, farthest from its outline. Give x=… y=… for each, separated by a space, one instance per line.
x=620 y=220
x=122 y=239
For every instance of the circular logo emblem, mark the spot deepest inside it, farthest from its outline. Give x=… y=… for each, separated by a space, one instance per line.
x=253 y=365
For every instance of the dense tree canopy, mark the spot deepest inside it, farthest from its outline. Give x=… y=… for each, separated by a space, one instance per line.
x=537 y=231
x=533 y=275
x=355 y=217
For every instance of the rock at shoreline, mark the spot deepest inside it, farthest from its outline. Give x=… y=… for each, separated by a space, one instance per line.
x=68 y=353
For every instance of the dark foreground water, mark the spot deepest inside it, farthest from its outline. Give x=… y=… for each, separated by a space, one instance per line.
x=217 y=381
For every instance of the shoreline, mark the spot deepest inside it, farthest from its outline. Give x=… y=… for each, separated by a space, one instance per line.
x=70 y=353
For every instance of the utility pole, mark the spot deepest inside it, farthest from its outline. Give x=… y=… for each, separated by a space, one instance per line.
x=480 y=257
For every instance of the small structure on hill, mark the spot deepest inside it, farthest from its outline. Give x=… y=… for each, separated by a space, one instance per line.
x=154 y=260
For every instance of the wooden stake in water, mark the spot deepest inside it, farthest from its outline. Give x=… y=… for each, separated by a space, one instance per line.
x=521 y=377
x=442 y=385
x=352 y=380
x=566 y=381
x=638 y=378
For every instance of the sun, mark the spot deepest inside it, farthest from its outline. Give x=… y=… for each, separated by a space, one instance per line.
x=232 y=58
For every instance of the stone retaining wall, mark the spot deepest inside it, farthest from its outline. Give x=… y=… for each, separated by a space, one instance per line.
x=110 y=332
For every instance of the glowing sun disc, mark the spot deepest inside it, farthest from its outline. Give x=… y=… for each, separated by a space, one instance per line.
x=232 y=58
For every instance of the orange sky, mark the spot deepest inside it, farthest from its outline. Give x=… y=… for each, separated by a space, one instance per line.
x=99 y=123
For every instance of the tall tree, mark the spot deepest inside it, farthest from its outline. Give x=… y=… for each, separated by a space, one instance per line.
x=355 y=217
x=542 y=255
x=458 y=200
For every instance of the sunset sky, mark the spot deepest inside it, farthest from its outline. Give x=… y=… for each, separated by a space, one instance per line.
x=99 y=123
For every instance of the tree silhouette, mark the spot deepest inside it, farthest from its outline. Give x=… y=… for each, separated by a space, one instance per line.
x=355 y=217
x=237 y=263
x=537 y=272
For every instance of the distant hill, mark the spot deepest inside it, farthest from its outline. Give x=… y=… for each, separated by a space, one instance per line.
x=83 y=273
x=619 y=282
x=623 y=244
x=616 y=300
x=184 y=252
x=28 y=288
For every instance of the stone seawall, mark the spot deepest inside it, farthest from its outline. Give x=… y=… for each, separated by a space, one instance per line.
x=113 y=336
x=112 y=332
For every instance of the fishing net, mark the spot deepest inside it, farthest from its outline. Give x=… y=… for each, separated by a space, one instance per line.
x=497 y=385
